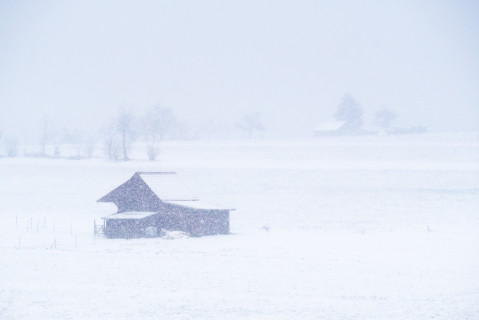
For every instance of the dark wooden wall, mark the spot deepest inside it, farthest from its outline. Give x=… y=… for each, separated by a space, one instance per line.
x=195 y=222
x=128 y=228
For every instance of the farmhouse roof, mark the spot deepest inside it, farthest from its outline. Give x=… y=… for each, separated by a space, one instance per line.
x=167 y=186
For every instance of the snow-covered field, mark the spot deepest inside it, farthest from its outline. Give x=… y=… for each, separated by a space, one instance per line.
x=336 y=228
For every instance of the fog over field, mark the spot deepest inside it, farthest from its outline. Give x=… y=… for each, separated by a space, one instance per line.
x=76 y=62
x=344 y=136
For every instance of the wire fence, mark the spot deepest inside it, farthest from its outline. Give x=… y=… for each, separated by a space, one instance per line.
x=34 y=232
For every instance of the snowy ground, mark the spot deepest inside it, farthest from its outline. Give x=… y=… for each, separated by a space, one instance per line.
x=337 y=228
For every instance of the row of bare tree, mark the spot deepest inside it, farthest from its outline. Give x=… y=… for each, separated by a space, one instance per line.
x=10 y=144
x=117 y=136
x=122 y=131
x=156 y=125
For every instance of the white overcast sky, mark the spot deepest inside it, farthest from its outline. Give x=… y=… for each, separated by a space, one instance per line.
x=75 y=62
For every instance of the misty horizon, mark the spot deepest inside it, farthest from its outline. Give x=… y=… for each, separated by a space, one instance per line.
x=76 y=63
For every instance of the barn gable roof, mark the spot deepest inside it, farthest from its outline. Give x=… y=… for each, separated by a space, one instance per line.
x=166 y=186
x=144 y=191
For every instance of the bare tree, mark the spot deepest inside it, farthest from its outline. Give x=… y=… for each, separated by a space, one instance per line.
x=46 y=135
x=119 y=134
x=385 y=118
x=88 y=145
x=26 y=143
x=111 y=141
x=11 y=146
x=157 y=124
x=250 y=123
x=350 y=111
x=126 y=129
x=60 y=137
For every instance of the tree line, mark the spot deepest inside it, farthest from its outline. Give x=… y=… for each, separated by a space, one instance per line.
x=350 y=111
x=118 y=134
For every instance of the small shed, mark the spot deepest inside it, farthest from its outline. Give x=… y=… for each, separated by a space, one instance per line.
x=152 y=201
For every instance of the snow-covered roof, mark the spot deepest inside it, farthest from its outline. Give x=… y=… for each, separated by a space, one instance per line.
x=149 y=189
x=134 y=215
x=330 y=125
x=197 y=205
x=167 y=186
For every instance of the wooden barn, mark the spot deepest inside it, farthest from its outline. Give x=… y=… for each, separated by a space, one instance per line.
x=152 y=201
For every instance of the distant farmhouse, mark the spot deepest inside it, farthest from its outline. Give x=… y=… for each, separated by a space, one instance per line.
x=338 y=128
x=345 y=128
x=152 y=201
x=330 y=128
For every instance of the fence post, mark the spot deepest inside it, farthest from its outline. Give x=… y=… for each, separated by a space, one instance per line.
x=54 y=244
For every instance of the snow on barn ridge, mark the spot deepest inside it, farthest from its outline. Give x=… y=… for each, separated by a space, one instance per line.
x=169 y=188
x=134 y=215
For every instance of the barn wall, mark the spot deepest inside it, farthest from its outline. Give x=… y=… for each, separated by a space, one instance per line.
x=196 y=222
x=128 y=228
x=210 y=222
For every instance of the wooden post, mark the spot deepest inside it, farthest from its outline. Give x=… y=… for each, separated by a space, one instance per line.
x=54 y=244
x=94 y=231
